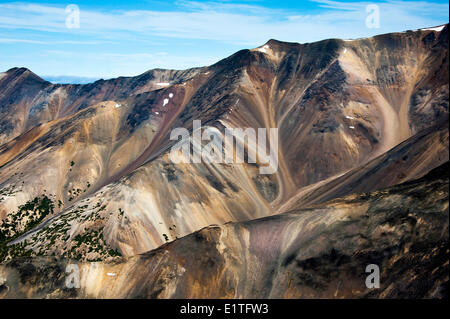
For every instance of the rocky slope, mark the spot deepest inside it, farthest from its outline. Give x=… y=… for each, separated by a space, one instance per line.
x=85 y=172
x=321 y=252
x=409 y=160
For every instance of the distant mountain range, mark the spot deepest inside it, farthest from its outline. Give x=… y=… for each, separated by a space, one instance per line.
x=67 y=79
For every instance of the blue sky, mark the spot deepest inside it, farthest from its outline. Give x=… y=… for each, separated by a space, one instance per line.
x=127 y=38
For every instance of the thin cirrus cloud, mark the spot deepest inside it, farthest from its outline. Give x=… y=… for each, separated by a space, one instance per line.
x=13 y=40
x=227 y=22
x=130 y=41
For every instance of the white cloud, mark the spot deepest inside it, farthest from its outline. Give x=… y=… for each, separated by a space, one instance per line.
x=226 y=22
x=30 y=41
x=12 y=40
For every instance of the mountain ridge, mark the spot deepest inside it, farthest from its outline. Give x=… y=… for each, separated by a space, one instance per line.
x=338 y=105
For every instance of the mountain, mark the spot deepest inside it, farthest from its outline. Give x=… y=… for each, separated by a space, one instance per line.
x=409 y=160
x=321 y=252
x=86 y=173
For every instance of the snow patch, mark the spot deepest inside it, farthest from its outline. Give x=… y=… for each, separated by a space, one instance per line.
x=170 y=95
x=263 y=49
x=111 y=274
x=157 y=113
x=345 y=50
x=437 y=29
x=349 y=117
x=352 y=127
x=118 y=105
x=165 y=102
x=163 y=83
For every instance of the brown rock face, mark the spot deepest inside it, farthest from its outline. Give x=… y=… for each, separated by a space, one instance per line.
x=85 y=171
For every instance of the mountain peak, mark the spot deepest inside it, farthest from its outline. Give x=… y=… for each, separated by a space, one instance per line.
x=23 y=72
x=18 y=70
